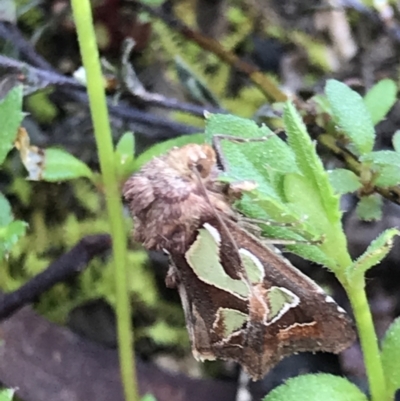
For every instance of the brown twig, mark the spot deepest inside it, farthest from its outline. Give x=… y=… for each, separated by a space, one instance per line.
x=72 y=90
x=71 y=263
x=266 y=85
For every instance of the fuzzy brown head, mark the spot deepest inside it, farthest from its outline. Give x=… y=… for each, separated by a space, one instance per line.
x=172 y=195
x=192 y=160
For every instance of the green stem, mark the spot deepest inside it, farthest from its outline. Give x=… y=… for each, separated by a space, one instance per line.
x=98 y=107
x=368 y=340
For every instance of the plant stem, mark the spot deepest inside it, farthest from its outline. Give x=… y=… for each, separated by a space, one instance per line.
x=368 y=340
x=95 y=84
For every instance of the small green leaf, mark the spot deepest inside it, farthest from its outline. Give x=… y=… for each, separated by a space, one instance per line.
x=382 y=157
x=6 y=216
x=396 y=141
x=380 y=99
x=7 y=394
x=149 y=397
x=126 y=146
x=344 y=181
x=125 y=153
x=60 y=165
x=370 y=208
x=10 y=116
x=163 y=147
x=351 y=114
x=10 y=231
x=375 y=252
x=9 y=235
x=389 y=176
x=316 y=387
x=391 y=357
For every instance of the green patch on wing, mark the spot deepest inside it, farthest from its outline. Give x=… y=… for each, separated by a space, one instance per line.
x=232 y=319
x=279 y=301
x=254 y=269
x=203 y=258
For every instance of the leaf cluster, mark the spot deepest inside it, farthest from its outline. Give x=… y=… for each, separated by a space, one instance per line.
x=352 y=125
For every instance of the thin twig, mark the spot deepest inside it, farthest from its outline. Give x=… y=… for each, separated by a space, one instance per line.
x=41 y=69
x=266 y=85
x=50 y=77
x=71 y=263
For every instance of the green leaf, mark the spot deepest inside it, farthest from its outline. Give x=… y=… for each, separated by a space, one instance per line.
x=10 y=231
x=314 y=254
x=7 y=394
x=344 y=181
x=310 y=164
x=375 y=252
x=60 y=165
x=311 y=195
x=391 y=357
x=351 y=114
x=382 y=157
x=380 y=99
x=256 y=204
x=163 y=147
x=309 y=206
x=126 y=146
x=10 y=234
x=10 y=117
x=370 y=208
x=396 y=141
x=125 y=154
x=270 y=155
x=316 y=387
x=6 y=216
x=266 y=162
x=304 y=198
x=388 y=176
x=148 y=397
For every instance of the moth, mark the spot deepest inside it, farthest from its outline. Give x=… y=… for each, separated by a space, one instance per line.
x=242 y=300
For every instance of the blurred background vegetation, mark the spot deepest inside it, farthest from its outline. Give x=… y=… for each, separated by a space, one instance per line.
x=159 y=81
